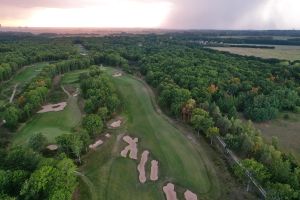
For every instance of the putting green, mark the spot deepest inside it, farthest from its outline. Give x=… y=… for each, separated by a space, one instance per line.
x=181 y=161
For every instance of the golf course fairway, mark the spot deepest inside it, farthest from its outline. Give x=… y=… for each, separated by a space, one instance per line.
x=182 y=160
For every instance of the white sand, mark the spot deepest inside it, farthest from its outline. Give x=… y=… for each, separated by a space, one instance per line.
x=116 y=124
x=131 y=148
x=96 y=144
x=141 y=167
x=117 y=74
x=52 y=147
x=53 y=107
x=169 y=191
x=154 y=170
x=188 y=195
x=107 y=135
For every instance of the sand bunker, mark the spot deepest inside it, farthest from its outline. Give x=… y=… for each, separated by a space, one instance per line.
x=96 y=144
x=52 y=147
x=131 y=148
x=117 y=74
x=188 y=195
x=141 y=167
x=107 y=135
x=169 y=191
x=53 y=107
x=154 y=170
x=116 y=124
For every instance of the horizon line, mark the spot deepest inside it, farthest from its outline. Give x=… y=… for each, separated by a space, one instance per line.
x=148 y=28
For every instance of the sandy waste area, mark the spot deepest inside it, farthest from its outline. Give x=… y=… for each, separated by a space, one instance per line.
x=188 y=195
x=154 y=170
x=96 y=144
x=117 y=74
x=52 y=147
x=131 y=148
x=141 y=167
x=53 y=107
x=116 y=124
x=169 y=191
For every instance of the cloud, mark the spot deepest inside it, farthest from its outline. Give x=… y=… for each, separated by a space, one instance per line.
x=211 y=14
x=43 y=3
x=183 y=14
x=235 y=14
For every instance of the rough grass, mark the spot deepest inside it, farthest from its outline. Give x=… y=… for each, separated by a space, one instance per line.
x=181 y=160
x=287 y=132
x=280 y=52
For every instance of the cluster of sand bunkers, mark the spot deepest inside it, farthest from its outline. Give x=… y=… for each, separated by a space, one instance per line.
x=131 y=151
x=114 y=124
x=171 y=194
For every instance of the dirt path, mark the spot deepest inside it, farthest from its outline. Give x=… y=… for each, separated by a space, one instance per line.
x=13 y=94
x=65 y=91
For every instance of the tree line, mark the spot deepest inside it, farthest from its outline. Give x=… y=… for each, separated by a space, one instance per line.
x=101 y=103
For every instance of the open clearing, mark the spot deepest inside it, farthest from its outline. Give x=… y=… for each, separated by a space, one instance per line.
x=181 y=161
x=287 y=132
x=280 y=52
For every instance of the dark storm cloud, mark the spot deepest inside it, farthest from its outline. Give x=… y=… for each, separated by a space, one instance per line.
x=212 y=13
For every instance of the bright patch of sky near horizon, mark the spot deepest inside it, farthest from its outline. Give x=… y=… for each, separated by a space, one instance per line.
x=197 y=14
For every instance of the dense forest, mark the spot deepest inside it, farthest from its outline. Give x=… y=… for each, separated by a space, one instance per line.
x=208 y=89
x=18 y=53
x=259 y=89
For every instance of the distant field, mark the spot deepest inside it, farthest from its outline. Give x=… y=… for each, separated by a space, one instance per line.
x=287 y=131
x=274 y=37
x=280 y=52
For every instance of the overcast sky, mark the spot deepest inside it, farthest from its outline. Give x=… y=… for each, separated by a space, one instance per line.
x=179 y=14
